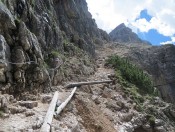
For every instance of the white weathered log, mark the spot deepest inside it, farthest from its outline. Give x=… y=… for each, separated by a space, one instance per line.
x=48 y=118
x=62 y=106
x=86 y=83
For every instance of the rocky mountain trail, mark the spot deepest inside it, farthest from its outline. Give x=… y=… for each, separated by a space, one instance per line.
x=45 y=45
x=94 y=108
x=31 y=118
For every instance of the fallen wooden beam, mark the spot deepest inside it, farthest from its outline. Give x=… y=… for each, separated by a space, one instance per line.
x=48 y=118
x=63 y=105
x=86 y=83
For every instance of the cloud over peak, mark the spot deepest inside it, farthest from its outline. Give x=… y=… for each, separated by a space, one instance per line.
x=113 y=12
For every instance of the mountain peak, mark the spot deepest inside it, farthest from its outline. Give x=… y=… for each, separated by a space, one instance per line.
x=124 y=34
x=122 y=25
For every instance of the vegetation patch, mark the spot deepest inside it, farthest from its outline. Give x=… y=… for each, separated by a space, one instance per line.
x=131 y=73
x=135 y=83
x=151 y=120
x=1 y=114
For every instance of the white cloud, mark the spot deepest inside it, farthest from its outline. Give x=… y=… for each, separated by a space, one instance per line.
x=163 y=28
x=113 y=12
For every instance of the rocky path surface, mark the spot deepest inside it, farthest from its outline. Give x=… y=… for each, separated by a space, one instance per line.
x=81 y=114
x=94 y=108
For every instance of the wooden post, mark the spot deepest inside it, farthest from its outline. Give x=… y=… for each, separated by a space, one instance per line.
x=48 y=118
x=62 y=106
x=86 y=83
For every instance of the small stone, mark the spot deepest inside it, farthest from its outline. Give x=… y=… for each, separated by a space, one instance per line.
x=28 y=104
x=58 y=103
x=120 y=103
x=4 y=115
x=160 y=129
x=15 y=110
x=113 y=106
x=4 y=102
x=97 y=91
x=76 y=128
x=11 y=98
x=127 y=117
x=129 y=127
x=29 y=113
x=69 y=107
x=38 y=123
x=97 y=101
x=46 y=98
x=107 y=93
x=147 y=127
x=30 y=130
x=159 y=122
x=172 y=112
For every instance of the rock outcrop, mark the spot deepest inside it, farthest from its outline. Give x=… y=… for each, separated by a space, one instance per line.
x=35 y=35
x=157 y=61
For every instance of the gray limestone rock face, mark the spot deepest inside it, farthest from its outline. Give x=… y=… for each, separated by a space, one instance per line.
x=30 y=30
x=75 y=19
x=6 y=18
x=24 y=36
x=4 y=59
x=157 y=61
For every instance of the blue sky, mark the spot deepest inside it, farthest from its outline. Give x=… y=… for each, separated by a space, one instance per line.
x=153 y=36
x=152 y=20
x=144 y=14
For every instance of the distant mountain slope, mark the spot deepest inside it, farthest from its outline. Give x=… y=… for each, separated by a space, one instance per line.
x=124 y=34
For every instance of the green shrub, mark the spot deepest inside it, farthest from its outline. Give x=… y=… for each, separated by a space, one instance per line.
x=55 y=53
x=1 y=114
x=131 y=73
x=151 y=121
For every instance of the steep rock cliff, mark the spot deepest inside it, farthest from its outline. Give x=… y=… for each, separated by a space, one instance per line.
x=159 y=61
x=34 y=34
